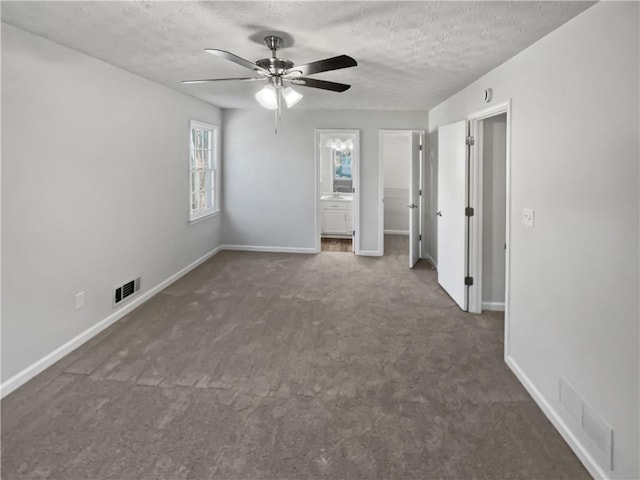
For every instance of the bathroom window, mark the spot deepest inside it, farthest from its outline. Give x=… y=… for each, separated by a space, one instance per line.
x=342 y=165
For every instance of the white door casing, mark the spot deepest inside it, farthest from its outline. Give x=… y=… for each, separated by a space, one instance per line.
x=414 y=199
x=475 y=200
x=452 y=200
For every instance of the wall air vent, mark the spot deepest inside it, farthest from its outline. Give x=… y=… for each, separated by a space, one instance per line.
x=122 y=292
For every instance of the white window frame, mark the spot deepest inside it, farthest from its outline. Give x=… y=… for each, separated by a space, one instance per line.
x=212 y=180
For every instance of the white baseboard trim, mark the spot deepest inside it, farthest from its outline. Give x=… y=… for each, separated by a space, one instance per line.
x=370 y=253
x=258 y=248
x=35 y=368
x=493 y=306
x=574 y=443
x=396 y=232
x=426 y=256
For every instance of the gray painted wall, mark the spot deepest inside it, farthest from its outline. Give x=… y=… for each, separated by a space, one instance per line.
x=94 y=191
x=494 y=186
x=574 y=277
x=269 y=199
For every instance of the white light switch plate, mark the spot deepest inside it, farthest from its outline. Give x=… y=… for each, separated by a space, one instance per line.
x=527 y=216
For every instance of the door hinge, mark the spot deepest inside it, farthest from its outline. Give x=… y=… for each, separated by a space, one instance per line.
x=420 y=237
x=471 y=140
x=420 y=147
x=420 y=192
x=353 y=233
x=468 y=281
x=353 y=190
x=468 y=211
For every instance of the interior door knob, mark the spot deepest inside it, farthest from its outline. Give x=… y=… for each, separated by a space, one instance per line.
x=439 y=213
x=412 y=205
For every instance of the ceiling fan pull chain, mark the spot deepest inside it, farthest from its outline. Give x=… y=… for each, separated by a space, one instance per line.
x=275 y=113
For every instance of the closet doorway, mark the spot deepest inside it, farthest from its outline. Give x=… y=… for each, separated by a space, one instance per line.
x=400 y=181
x=473 y=210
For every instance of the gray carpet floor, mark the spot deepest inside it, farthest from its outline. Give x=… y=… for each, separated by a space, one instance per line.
x=283 y=366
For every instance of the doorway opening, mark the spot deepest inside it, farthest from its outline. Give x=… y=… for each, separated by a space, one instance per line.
x=489 y=192
x=473 y=210
x=492 y=133
x=328 y=244
x=400 y=180
x=337 y=190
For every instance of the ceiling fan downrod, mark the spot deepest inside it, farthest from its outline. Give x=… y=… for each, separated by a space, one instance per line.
x=273 y=43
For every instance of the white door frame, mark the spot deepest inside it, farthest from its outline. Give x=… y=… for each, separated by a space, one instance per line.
x=475 y=201
x=355 y=170
x=381 y=133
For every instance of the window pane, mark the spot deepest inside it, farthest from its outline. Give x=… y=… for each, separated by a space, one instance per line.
x=209 y=159
x=194 y=181
x=196 y=142
x=202 y=184
x=205 y=139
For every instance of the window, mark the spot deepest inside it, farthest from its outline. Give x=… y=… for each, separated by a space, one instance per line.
x=203 y=161
x=342 y=165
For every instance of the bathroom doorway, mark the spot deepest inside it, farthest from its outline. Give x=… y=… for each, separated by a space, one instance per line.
x=337 y=190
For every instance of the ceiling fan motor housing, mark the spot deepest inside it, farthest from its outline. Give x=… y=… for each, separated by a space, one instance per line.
x=276 y=66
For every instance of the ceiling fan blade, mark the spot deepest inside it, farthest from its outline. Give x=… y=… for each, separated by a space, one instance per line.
x=236 y=59
x=323 y=84
x=333 y=63
x=206 y=80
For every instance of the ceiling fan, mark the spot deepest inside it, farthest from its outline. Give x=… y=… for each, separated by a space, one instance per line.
x=278 y=70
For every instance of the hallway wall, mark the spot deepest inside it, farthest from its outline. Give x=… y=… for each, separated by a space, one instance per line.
x=574 y=309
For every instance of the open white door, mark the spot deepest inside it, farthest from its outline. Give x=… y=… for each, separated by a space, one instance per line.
x=414 y=199
x=452 y=199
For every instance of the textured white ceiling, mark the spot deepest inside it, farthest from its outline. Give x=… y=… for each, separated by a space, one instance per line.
x=411 y=55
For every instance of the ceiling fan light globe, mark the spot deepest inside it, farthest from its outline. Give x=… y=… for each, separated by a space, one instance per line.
x=291 y=97
x=267 y=97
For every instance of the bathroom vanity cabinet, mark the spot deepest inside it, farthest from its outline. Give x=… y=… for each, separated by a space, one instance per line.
x=337 y=217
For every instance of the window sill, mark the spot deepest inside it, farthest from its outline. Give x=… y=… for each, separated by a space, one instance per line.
x=206 y=216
